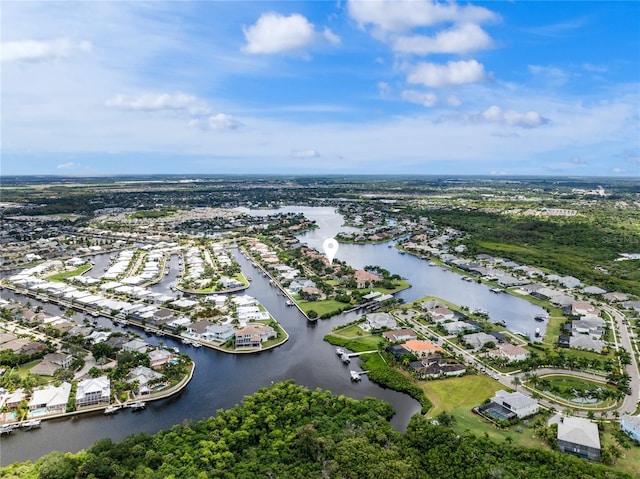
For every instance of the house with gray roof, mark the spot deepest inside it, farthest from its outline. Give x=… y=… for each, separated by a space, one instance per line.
x=584 y=341
x=579 y=437
x=51 y=399
x=94 y=391
x=516 y=402
x=478 y=340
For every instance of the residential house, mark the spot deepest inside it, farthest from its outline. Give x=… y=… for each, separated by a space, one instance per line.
x=51 y=399
x=146 y=379
x=159 y=357
x=400 y=335
x=631 y=425
x=516 y=402
x=380 y=321
x=510 y=352
x=136 y=345
x=252 y=336
x=441 y=313
x=94 y=391
x=421 y=348
x=435 y=366
x=478 y=340
x=582 y=341
x=456 y=327
x=51 y=363
x=579 y=437
x=365 y=279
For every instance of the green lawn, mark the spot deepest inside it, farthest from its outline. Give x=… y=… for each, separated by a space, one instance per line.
x=69 y=274
x=463 y=392
x=324 y=307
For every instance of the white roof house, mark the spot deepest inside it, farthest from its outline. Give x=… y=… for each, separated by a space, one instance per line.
x=93 y=391
x=516 y=402
x=52 y=399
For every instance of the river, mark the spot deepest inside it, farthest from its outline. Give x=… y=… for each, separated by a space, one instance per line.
x=222 y=380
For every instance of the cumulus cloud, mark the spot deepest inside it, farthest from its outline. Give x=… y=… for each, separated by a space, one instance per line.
x=302 y=154
x=398 y=16
x=33 y=51
x=427 y=99
x=276 y=33
x=459 y=39
x=530 y=119
x=453 y=73
x=160 y=102
x=219 y=121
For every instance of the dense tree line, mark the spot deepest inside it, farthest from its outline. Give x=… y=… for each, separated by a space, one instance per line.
x=288 y=431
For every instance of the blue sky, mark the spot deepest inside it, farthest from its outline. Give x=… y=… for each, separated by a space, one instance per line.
x=501 y=88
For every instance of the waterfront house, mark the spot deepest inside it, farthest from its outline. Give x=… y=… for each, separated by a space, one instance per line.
x=364 y=279
x=146 y=379
x=456 y=327
x=631 y=425
x=379 y=321
x=516 y=402
x=441 y=313
x=579 y=437
x=159 y=357
x=252 y=336
x=51 y=399
x=94 y=391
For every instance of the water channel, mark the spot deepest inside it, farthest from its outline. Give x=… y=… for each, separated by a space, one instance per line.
x=222 y=380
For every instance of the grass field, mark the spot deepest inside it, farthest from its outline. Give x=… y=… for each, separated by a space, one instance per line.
x=69 y=274
x=325 y=307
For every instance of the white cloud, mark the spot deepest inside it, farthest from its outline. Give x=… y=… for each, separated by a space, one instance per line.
x=427 y=99
x=454 y=101
x=550 y=74
x=530 y=119
x=331 y=37
x=222 y=121
x=453 y=73
x=41 y=51
x=401 y=15
x=459 y=39
x=160 y=102
x=301 y=154
x=384 y=89
x=275 y=33
x=66 y=166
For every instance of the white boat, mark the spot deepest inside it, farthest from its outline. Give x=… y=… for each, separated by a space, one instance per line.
x=196 y=344
x=339 y=351
x=355 y=375
x=31 y=424
x=7 y=428
x=345 y=358
x=137 y=406
x=111 y=410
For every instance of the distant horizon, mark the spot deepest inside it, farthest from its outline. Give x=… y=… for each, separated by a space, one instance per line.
x=320 y=87
x=318 y=175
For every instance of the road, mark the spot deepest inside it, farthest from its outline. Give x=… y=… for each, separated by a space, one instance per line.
x=630 y=403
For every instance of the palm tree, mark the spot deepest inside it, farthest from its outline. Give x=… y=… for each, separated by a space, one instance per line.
x=516 y=382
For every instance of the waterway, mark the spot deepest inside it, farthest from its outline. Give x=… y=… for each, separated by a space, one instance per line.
x=222 y=380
